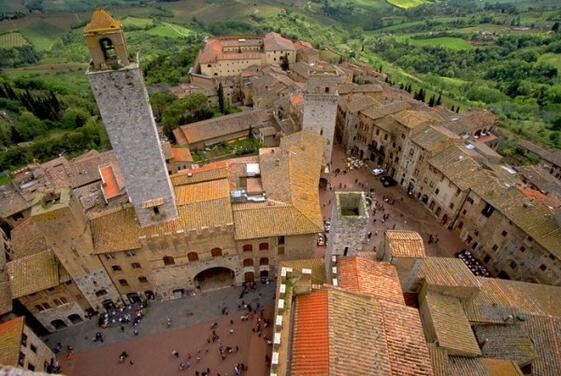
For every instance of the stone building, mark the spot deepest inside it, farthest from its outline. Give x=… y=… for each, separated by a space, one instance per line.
x=402 y=249
x=348 y=119
x=550 y=160
x=230 y=55
x=22 y=348
x=320 y=106
x=349 y=225
x=122 y=99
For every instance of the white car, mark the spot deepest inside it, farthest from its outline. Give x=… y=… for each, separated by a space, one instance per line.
x=377 y=171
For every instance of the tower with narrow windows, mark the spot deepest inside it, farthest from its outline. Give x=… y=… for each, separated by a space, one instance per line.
x=122 y=99
x=320 y=106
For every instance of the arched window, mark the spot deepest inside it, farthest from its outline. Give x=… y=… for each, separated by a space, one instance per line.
x=248 y=262
x=264 y=261
x=247 y=248
x=263 y=246
x=123 y=282
x=193 y=256
x=136 y=265
x=142 y=279
x=116 y=268
x=108 y=49
x=215 y=252
x=168 y=260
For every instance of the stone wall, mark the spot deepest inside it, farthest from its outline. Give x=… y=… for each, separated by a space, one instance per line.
x=60 y=313
x=41 y=354
x=320 y=112
x=126 y=113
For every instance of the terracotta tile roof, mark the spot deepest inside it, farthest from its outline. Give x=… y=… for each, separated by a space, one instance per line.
x=376 y=279
x=506 y=342
x=457 y=166
x=490 y=305
x=532 y=298
x=451 y=327
x=211 y=129
x=545 y=333
x=463 y=366
x=115 y=230
x=11 y=201
x=182 y=154
x=357 y=102
x=85 y=169
x=5 y=297
x=109 y=184
x=407 y=349
x=385 y=110
x=208 y=172
x=33 y=273
x=434 y=138
x=446 y=273
x=289 y=175
x=274 y=41
x=412 y=119
x=310 y=342
x=500 y=367
x=403 y=243
x=316 y=265
x=550 y=155
x=204 y=191
x=439 y=359
x=550 y=201
x=27 y=239
x=102 y=21
x=10 y=341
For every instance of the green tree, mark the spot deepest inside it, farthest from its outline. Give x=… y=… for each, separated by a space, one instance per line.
x=192 y=108
x=160 y=102
x=29 y=126
x=221 y=105
x=75 y=118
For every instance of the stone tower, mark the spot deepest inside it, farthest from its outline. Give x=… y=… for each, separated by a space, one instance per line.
x=122 y=99
x=60 y=217
x=349 y=225
x=320 y=106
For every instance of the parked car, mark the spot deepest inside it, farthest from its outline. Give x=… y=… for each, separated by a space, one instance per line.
x=377 y=171
x=388 y=181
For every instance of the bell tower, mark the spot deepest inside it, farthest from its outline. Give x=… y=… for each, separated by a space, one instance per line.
x=122 y=99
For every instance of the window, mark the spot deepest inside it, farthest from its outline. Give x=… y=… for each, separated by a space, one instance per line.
x=411 y=151
x=248 y=262
x=23 y=339
x=116 y=268
x=57 y=302
x=21 y=360
x=142 y=279
x=263 y=246
x=216 y=252
x=281 y=240
x=193 y=256
x=522 y=249
x=99 y=293
x=264 y=261
x=247 y=248
x=33 y=348
x=123 y=282
x=168 y=260
x=30 y=367
x=130 y=253
x=512 y=265
x=437 y=191
x=136 y=265
x=469 y=239
x=488 y=210
x=464 y=212
x=504 y=233
x=495 y=247
x=486 y=259
x=46 y=306
x=470 y=200
x=451 y=206
x=543 y=267
x=109 y=256
x=458 y=191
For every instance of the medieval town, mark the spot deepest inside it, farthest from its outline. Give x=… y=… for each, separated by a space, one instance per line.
x=370 y=234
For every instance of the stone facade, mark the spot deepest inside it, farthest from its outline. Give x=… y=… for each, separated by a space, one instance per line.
x=34 y=353
x=123 y=103
x=349 y=225
x=61 y=219
x=320 y=107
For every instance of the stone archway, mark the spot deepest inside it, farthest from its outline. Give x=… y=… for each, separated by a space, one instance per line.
x=213 y=278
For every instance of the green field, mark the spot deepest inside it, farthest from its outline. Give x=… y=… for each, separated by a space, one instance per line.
x=444 y=42
x=551 y=58
x=140 y=23
x=10 y=40
x=168 y=30
x=406 y=4
x=42 y=35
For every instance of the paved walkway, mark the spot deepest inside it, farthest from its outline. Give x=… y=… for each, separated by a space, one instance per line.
x=405 y=214
x=184 y=312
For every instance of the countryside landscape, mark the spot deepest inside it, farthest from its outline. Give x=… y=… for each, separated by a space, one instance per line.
x=504 y=56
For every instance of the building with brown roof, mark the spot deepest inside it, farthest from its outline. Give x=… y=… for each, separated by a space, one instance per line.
x=230 y=55
x=20 y=347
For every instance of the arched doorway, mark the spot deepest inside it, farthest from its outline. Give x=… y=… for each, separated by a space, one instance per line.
x=214 y=278
x=58 y=324
x=249 y=277
x=75 y=318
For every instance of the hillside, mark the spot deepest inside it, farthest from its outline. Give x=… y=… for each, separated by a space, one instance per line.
x=503 y=55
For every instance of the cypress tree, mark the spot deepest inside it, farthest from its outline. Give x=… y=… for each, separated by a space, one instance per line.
x=221 y=97
x=431 y=101
x=439 y=100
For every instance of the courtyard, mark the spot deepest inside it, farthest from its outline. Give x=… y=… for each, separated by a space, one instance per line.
x=193 y=320
x=405 y=213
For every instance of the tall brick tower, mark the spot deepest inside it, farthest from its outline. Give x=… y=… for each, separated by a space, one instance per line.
x=122 y=99
x=320 y=106
x=61 y=219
